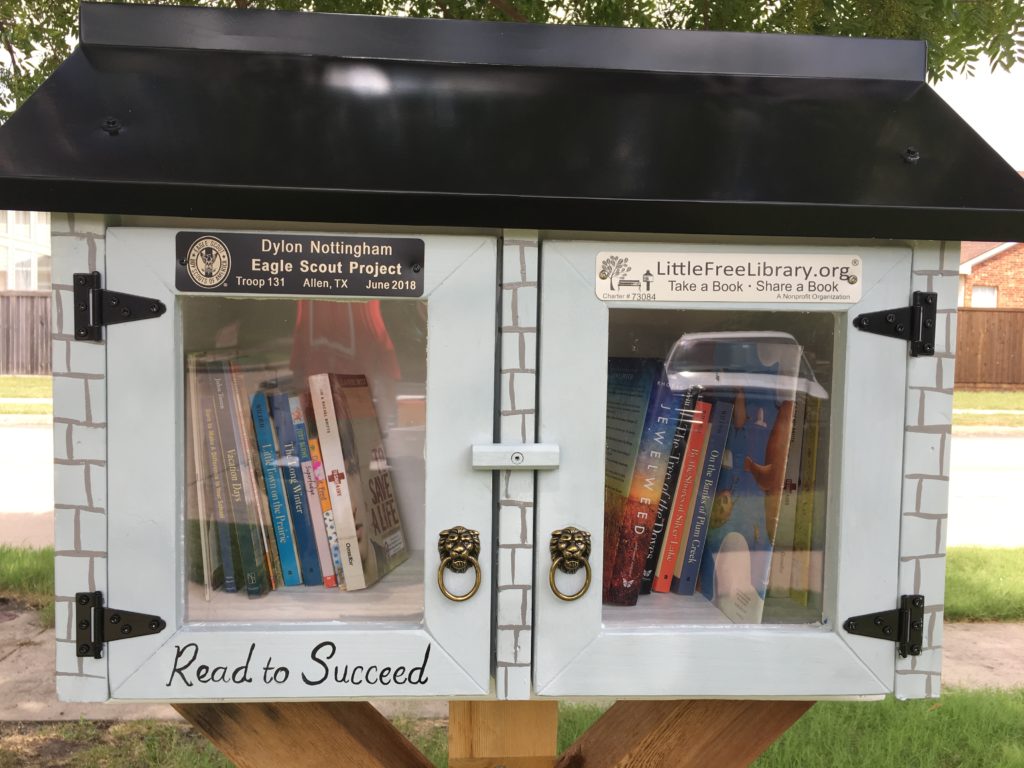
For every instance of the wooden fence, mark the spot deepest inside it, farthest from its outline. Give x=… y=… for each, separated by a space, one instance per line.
x=25 y=332
x=990 y=349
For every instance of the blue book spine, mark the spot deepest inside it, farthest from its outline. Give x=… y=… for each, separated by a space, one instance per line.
x=291 y=470
x=276 y=495
x=693 y=550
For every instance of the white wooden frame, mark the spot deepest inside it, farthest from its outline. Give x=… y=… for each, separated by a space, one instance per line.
x=145 y=486
x=578 y=651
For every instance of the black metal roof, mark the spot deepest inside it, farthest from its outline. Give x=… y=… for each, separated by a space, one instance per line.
x=312 y=117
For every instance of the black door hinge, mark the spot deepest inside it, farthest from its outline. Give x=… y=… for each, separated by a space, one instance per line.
x=903 y=625
x=96 y=625
x=96 y=307
x=915 y=323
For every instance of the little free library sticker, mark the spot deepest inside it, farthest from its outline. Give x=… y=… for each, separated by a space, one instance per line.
x=811 y=278
x=325 y=265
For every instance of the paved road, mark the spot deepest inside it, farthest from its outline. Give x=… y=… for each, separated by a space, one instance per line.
x=986 y=504
x=986 y=507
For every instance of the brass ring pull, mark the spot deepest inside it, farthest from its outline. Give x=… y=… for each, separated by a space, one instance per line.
x=570 y=550
x=459 y=548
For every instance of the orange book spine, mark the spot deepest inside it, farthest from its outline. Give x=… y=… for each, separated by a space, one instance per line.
x=683 y=501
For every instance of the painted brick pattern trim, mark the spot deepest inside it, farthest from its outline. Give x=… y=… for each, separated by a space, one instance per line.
x=929 y=413
x=80 y=454
x=514 y=631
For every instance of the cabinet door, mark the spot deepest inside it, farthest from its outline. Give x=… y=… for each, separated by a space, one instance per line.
x=833 y=554
x=428 y=361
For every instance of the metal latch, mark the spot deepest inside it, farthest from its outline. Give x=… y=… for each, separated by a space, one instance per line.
x=527 y=456
x=903 y=625
x=915 y=323
x=96 y=625
x=96 y=307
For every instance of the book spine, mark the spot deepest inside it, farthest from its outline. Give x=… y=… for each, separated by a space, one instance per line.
x=254 y=492
x=327 y=427
x=668 y=492
x=199 y=483
x=634 y=535
x=214 y=467
x=630 y=389
x=781 y=576
x=312 y=495
x=243 y=527
x=276 y=498
x=684 y=496
x=328 y=510
x=693 y=549
x=800 y=589
x=291 y=470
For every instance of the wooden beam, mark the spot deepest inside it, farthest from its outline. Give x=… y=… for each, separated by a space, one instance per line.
x=301 y=734
x=514 y=734
x=681 y=734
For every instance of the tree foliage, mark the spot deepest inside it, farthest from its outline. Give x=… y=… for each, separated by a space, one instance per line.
x=36 y=35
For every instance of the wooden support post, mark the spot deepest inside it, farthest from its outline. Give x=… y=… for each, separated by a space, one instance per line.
x=682 y=734
x=301 y=734
x=513 y=734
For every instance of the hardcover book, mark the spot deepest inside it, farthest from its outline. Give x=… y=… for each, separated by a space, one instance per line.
x=682 y=506
x=640 y=508
x=630 y=385
x=244 y=523
x=704 y=495
x=203 y=548
x=275 y=488
x=291 y=470
x=781 y=577
x=687 y=415
x=806 y=496
x=316 y=512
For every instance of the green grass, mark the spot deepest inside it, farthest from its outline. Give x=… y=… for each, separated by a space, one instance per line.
x=1012 y=400
x=1006 y=401
x=27 y=575
x=984 y=584
x=26 y=386
x=100 y=744
x=964 y=728
x=25 y=409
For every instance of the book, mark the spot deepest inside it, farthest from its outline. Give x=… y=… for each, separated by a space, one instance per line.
x=336 y=468
x=704 y=494
x=253 y=490
x=630 y=385
x=375 y=504
x=804 y=516
x=355 y=461
x=633 y=538
x=203 y=553
x=295 y=489
x=326 y=507
x=244 y=526
x=780 y=578
x=316 y=513
x=682 y=505
x=213 y=472
x=736 y=563
x=275 y=489
x=675 y=460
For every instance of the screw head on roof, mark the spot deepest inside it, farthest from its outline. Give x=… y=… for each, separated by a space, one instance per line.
x=111 y=125
x=911 y=155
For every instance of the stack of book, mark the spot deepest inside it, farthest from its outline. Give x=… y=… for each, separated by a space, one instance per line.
x=289 y=485
x=710 y=472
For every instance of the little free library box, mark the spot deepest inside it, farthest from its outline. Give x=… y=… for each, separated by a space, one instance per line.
x=413 y=358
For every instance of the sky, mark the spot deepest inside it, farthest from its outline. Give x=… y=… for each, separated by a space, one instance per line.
x=993 y=104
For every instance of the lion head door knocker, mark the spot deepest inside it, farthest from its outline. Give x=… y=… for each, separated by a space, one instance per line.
x=570 y=551
x=459 y=548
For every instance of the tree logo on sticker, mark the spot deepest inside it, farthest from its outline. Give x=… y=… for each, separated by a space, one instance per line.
x=208 y=262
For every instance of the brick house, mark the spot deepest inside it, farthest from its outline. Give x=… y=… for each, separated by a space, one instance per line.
x=992 y=275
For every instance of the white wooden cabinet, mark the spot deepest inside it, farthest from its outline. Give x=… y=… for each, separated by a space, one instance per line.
x=882 y=461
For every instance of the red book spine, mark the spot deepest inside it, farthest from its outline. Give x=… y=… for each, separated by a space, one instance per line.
x=683 y=501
